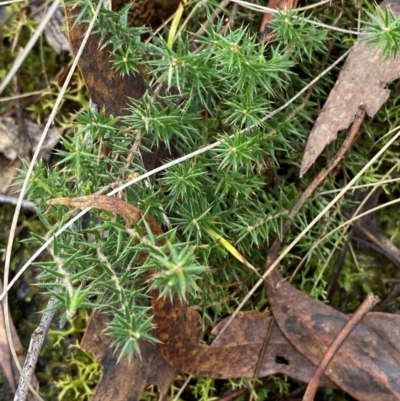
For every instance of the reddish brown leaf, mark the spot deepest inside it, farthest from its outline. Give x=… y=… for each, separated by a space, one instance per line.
x=363 y=80
x=366 y=366
x=124 y=209
x=125 y=380
x=107 y=88
x=280 y=356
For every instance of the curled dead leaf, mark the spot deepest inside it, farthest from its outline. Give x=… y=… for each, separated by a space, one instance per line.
x=363 y=80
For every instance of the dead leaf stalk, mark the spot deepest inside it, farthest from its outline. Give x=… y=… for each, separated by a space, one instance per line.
x=261 y=356
x=354 y=320
x=32 y=356
x=231 y=19
x=273 y=253
x=234 y=394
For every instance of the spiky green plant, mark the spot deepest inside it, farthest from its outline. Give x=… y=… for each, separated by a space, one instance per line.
x=217 y=86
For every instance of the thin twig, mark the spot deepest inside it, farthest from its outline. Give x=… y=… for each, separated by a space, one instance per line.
x=347 y=143
x=373 y=184
x=179 y=393
x=231 y=19
x=274 y=250
x=381 y=244
x=28 y=205
x=261 y=356
x=133 y=151
x=233 y=394
x=22 y=19
x=35 y=345
x=336 y=271
x=350 y=325
x=293 y=395
x=22 y=95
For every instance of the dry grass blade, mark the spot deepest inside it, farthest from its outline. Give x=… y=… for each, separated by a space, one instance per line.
x=29 y=46
x=262 y=9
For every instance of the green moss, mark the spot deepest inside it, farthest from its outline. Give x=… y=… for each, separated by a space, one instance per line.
x=81 y=384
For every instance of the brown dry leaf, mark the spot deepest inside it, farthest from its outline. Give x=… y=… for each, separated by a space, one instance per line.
x=147 y=12
x=55 y=28
x=366 y=366
x=8 y=171
x=124 y=209
x=125 y=380
x=107 y=88
x=12 y=148
x=363 y=81
x=280 y=357
x=225 y=359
